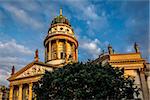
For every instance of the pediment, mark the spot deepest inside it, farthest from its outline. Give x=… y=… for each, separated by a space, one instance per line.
x=32 y=69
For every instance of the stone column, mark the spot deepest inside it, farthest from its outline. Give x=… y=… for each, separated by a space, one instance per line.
x=138 y=83
x=73 y=52
x=57 y=52
x=20 y=91
x=49 y=54
x=76 y=54
x=144 y=86
x=45 y=54
x=30 y=91
x=11 y=92
x=66 y=51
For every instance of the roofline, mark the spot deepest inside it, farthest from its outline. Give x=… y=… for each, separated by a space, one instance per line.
x=125 y=53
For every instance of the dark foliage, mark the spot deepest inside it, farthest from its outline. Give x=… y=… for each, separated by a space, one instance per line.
x=80 y=81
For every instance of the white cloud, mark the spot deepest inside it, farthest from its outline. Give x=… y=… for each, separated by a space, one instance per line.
x=12 y=53
x=90 y=47
x=149 y=53
x=90 y=12
x=11 y=48
x=99 y=24
x=10 y=61
x=129 y=48
x=20 y=14
x=96 y=19
x=84 y=7
x=106 y=43
x=3 y=77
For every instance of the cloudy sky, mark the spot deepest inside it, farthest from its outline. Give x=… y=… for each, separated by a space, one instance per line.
x=24 y=25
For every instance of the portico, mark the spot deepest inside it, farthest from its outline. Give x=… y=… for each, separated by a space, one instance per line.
x=21 y=83
x=21 y=92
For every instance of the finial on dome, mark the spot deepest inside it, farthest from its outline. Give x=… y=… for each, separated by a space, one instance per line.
x=60 y=11
x=36 y=58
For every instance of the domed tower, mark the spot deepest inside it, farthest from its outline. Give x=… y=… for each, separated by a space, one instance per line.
x=61 y=45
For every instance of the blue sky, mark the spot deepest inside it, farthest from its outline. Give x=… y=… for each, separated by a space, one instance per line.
x=97 y=23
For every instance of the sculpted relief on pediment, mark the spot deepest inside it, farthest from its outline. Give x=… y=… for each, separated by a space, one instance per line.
x=34 y=70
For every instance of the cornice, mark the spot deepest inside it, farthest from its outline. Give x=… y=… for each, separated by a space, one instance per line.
x=60 y=34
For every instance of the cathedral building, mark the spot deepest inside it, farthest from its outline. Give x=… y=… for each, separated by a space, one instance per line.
x=61 y=47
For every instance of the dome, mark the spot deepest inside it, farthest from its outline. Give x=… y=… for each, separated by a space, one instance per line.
x=60 y=19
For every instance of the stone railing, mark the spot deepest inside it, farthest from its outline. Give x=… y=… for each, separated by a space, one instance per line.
x=61 y=32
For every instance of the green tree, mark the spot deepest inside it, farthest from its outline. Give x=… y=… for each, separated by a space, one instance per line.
x=80 y=81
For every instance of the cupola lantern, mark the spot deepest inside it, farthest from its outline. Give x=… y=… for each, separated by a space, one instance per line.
x=60 y=11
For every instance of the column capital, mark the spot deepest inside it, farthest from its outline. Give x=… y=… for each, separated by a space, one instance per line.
x=11 y=86
x=141 y=69
x=20 y=85
x=31 y=84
